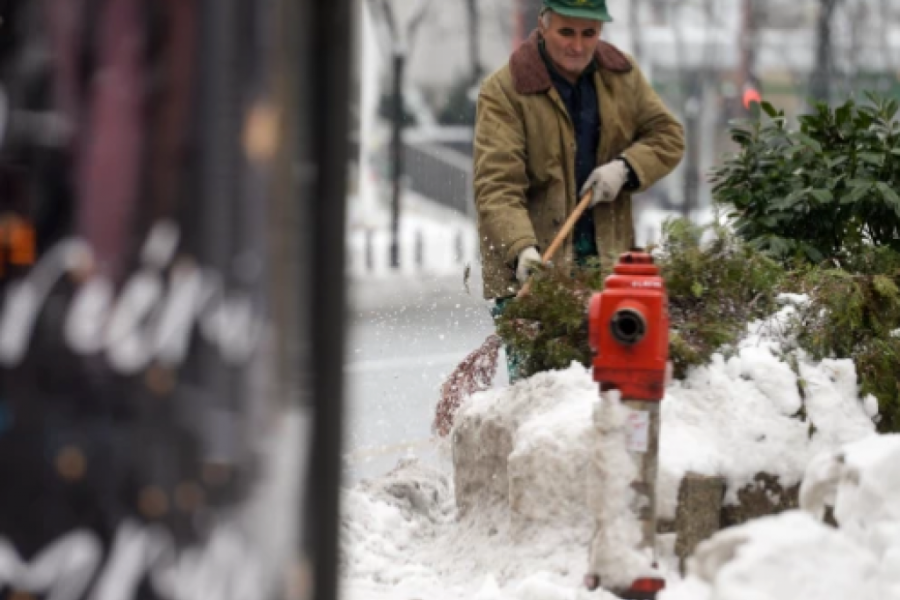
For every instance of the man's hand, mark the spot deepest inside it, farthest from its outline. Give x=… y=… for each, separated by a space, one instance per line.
x=606 y=181
x=528 y=260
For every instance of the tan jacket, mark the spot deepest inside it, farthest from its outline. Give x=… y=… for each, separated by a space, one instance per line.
x=525 y=157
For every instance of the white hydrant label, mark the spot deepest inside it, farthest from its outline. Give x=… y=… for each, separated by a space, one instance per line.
x=638 y=431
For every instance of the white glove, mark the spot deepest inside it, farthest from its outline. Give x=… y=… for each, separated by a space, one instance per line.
x=527 y=259
x=607 y=181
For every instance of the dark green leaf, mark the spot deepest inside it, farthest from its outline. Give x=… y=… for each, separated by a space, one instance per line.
x=807 y=141
x=813 y=254
x=855 y=194
x=872 y=159
x=889 y=194
x=770 y=110
x=823 y=196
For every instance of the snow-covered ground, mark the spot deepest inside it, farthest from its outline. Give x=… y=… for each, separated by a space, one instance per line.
x=403 y=538
x=408 y=327
x=433 y=240
x=795 y=556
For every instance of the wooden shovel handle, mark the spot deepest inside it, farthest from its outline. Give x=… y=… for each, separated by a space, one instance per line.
x=564 y=232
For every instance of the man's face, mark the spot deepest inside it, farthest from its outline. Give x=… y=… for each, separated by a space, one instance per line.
x=570 y=42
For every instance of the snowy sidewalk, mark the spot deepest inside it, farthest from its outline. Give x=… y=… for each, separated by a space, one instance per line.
x=434 y=240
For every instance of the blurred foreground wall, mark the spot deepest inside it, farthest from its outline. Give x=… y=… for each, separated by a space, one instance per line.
x=170 y=382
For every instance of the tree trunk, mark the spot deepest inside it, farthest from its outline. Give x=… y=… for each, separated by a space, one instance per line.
x=397 y=117
x=634 y=22
x=820 y=85
x=748 y=46
x=474 y=40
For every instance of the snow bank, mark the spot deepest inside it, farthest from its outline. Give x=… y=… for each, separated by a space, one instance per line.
x=402 y=539
x=736 y=417
x=527 y=445
x=793 y=556
x=523 y=453
x=615 y=555
x=741 y=415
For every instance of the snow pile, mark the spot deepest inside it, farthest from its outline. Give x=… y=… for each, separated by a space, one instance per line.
x=866 y=496
x=403 y=540
x=789 y=556
x=614 y=552
x=793 y=556
x=523 y=458
x=529 y=443
x=745 y=414
x=736 y=417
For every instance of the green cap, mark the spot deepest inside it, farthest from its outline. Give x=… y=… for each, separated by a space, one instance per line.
x=580 y=9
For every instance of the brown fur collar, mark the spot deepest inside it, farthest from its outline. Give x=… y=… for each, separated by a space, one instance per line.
x=530 y=75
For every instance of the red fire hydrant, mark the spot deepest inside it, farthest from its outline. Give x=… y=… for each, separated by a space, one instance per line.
x=629 y=329
x=629 y=334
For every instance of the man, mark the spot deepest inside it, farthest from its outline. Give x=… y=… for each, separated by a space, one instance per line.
x=568 y=113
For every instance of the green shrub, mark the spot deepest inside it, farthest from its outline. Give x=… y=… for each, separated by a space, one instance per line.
x=876 y=364
x=715 y=286
x=854 y=312
x=824 y=191
x=823 y=199
x=714 y=290
x=547 y=328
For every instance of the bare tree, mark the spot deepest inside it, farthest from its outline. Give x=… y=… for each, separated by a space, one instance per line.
x=861 y=15
x=634 y=24
x=886 y=49
x=748 y=44
x=503 y=16
x=474 y=42
x=401 y=44
x=820 y=84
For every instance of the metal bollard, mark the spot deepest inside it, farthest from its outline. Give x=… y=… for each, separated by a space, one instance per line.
x=420 y=250
x=370 y=251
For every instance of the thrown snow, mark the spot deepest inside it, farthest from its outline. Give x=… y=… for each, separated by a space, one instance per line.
x=736 y=417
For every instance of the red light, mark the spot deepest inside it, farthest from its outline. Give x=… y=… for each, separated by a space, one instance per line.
x=648 y=585
x=751 y=95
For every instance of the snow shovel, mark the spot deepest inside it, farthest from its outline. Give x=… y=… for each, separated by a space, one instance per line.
x=476 y=372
